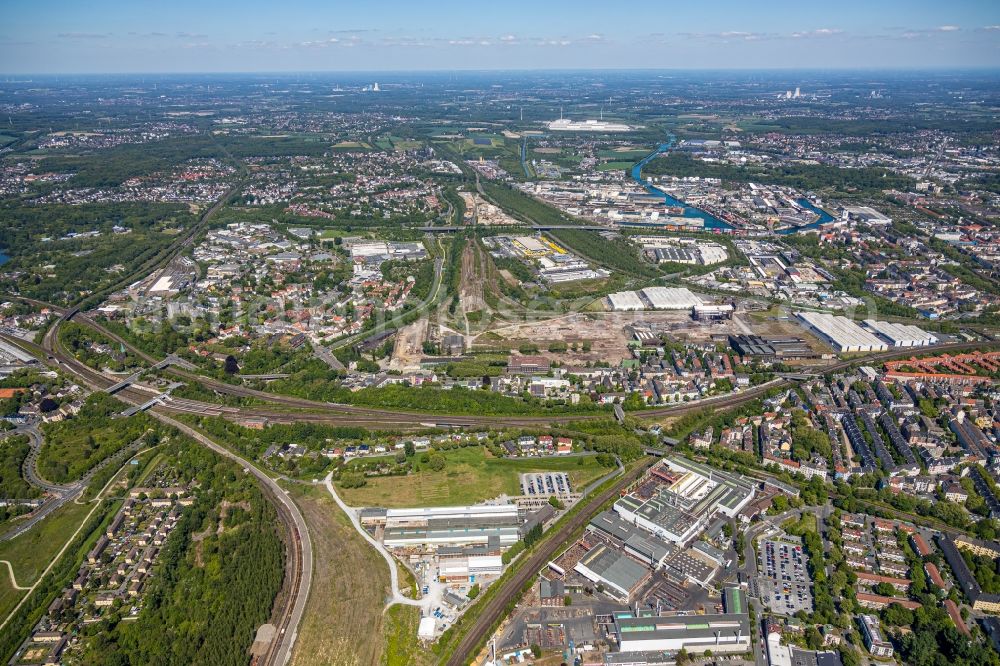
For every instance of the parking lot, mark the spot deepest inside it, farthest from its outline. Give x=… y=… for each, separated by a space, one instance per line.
x=545 y=483
x=783 y=581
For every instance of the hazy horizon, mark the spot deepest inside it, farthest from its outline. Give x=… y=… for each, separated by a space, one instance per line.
x=112 y=37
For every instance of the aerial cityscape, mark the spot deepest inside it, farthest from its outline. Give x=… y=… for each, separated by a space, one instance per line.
x=456 y=335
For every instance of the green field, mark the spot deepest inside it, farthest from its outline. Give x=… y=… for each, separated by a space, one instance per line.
x=614 y=166
x=470 y=476
x=8 y=595
x=400 y=628
x=32 y=551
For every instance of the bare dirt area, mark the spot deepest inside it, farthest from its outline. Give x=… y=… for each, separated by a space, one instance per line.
x=343 y=618
x=605 y=332
x=607 y=343
x=470 y=289
x=408 y=351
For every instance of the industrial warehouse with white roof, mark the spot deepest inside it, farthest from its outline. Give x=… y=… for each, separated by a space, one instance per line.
x=841 y=333
x=452 y=525
x=655 y=298
x=900 y=335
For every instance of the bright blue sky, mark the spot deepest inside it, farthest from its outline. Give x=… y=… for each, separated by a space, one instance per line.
x=70 y=36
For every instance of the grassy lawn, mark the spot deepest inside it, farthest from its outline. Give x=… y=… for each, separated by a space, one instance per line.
x=470 y=476
x=614 y=166
x=32 y=551
x=8 y=595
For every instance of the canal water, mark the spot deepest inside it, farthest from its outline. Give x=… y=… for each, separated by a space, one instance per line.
x=711 y=221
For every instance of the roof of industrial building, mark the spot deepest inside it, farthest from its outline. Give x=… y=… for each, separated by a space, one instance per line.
x=900 y=333
x=840 y=330
x=732 y=489
x=734 y=600
x=689 y=626
x=614 y=567
x=625 y=300
x=445 y=512
x=660 y=512
x=670 y=298
x=635 y=538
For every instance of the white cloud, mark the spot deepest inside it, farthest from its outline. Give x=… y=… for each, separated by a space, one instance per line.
x=83 y=35
x=948 y=28
x=818 y=32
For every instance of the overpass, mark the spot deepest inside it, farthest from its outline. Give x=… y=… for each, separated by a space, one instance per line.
x=135 y=409
x=171 y=359
x=158 y=399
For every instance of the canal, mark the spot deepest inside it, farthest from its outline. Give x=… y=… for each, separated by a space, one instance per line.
x=712 y=222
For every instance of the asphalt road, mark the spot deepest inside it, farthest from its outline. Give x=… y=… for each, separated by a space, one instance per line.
x=56 y=495
x=298 y=569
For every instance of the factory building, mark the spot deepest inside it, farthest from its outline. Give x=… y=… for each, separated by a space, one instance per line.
x=841 y=333
x=728 y=632
x=771 y=348
x=678 y=512
x=12 y=353
x=900 y=335
x=634 y=541
x=452 y=526
x=618 y=574
x=663 y=515
x=711 y=489
x=670 y=298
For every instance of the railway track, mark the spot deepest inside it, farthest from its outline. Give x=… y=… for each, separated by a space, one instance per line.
x=337 y=413
x=299 y=564
x=497 y=605
x=341 y=414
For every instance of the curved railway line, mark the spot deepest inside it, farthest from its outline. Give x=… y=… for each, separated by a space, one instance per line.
x=282 y=409
x=298 y=566
x=343 y=414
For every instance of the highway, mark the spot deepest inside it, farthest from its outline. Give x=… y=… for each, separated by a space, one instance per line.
x=510 y=589
x=299 y=566
x=56 y=495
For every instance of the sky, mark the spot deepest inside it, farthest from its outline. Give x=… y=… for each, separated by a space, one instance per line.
x=147 y=36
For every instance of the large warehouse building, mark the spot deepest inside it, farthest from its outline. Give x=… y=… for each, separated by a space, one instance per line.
x=841 y=333
x=451 y=526
x=619 y=574
x=670 y=298
x=662 y=515
x=654 y=298
x=624 y=301
x=900 y=335
x=678 y=512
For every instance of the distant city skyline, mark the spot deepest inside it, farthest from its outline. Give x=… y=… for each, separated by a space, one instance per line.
x=111 y=36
